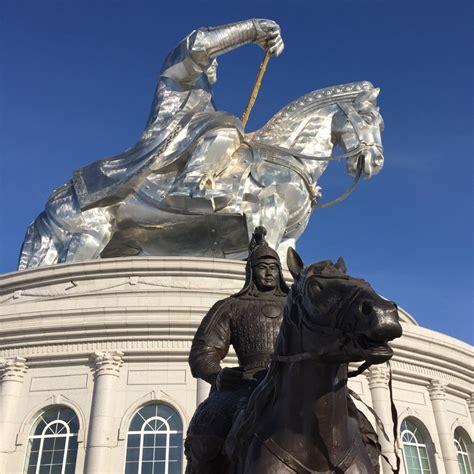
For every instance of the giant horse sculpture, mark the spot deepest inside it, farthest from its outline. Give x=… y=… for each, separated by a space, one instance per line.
x=297 y=419
x=272 y=179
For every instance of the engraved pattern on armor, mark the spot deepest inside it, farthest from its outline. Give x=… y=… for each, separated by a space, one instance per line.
x=252 y=351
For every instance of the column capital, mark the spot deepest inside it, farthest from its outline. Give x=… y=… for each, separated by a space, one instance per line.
x=437 y=389
x=12 y=369
x=107 y=362
x=377 y=376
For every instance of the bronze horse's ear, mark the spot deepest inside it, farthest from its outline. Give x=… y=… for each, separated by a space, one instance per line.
x=341 y=265
x=294 y=262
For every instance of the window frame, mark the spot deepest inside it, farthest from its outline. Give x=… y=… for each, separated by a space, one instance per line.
x=462 y=451
x=143 y=431
x=53 y=435
x=418 y=443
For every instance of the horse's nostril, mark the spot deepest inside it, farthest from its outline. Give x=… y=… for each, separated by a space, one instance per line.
x=366 y=308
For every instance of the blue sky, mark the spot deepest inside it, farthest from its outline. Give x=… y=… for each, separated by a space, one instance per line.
x=77 y=79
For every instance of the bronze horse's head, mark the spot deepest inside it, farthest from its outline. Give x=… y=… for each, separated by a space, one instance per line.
x=335 y=318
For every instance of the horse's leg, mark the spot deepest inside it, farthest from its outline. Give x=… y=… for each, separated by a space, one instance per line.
x=64 y=233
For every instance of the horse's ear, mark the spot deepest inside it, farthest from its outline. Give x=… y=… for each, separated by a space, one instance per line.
x=368 y=96
x=294 y=262
x=341 y=265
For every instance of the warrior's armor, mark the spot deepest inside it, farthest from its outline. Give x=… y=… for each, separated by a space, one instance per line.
x=247 y=323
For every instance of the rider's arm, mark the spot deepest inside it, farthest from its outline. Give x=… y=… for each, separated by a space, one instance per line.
x=196 y=52
x=211 y=343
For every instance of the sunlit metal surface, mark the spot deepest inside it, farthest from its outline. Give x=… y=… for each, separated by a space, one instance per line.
x=195 y=183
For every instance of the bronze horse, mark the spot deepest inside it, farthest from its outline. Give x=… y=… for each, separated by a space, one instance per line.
x=298 y=419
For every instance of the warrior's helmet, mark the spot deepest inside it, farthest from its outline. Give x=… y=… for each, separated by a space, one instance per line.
x=260 y=250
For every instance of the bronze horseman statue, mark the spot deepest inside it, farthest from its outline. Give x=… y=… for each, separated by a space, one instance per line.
x=298 y=417
x=195 y=172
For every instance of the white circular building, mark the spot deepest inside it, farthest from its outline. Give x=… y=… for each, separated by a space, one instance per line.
x=95 y=379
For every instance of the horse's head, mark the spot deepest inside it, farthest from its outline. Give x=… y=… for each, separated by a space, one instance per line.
x=334 y=317
x=358 y=125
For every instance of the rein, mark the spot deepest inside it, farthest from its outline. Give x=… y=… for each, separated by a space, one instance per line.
x=379 y=422
x=358 y=125
x=308 y=182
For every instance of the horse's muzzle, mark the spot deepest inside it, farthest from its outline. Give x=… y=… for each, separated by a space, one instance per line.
x=372 y=160
x=385 y=324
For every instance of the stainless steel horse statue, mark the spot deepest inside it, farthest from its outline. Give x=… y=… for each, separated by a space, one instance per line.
x=195 y=184
x=298 y=418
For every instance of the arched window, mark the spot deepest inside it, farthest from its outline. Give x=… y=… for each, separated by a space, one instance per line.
x=52 y=446
x=462 y=452
x=415 y=452
x=155 y=441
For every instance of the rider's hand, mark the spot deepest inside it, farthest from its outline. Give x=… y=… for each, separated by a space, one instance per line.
x=229 y=379
x=269 y=36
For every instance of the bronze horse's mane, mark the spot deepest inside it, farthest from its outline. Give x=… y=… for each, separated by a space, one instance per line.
x=266 y=392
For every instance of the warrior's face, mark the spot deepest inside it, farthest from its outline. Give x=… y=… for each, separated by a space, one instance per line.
x=266 y=274
x=211 y=72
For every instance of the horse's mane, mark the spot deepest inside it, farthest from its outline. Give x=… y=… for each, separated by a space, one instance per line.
x=281 y=127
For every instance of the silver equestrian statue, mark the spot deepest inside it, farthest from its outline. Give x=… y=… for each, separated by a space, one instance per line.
x=196 y=184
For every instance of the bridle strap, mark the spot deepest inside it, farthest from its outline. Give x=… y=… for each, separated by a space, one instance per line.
x=345 y=194
x=354 y=118
x=359 y=370
x=301 y=156
x=379 y=422
x=393 y=409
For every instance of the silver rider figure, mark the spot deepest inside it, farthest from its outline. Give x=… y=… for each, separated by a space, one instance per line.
x=192 y=69
x=183 y=103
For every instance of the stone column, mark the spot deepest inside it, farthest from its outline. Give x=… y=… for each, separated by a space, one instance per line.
x=470 y=405
x=377 y=376
x=102 y=436
x=12 y=371
x=202 y=391
x=437 y=391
